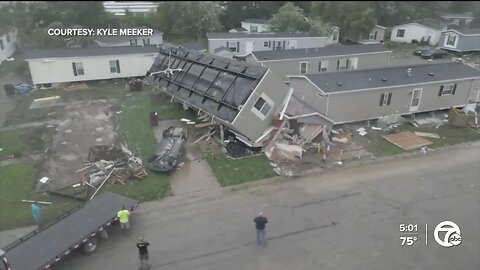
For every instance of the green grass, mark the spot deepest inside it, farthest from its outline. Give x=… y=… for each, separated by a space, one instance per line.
x=134 y=128
x=16 y=183
x=22 y=142
x=234 y=172
x=449 y=135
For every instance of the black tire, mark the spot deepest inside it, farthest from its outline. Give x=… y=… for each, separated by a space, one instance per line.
x=90 y=246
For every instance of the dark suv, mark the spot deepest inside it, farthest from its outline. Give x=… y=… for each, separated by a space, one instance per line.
x=434 y=54
x=169 y=150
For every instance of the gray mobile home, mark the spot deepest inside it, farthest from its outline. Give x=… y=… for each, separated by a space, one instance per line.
x=466 y=40
x=241 y=44
x=116 y=41
x=319 y=60
x=241 y=96
x=359 y=95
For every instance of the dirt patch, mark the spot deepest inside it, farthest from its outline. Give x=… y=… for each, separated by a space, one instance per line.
x=85 y=123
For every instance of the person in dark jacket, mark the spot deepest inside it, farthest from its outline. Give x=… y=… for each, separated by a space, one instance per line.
x=260 y=222
x=142 y=246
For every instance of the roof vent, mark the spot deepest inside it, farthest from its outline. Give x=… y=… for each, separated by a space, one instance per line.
x=409 y=72
x=370 y=79
x=339 y=83
x=430 y=74
x=384 y=79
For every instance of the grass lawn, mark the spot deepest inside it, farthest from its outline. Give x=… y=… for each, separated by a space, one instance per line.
x=16 y=183
x=134 y=128
x=233 y=172
x=22 y=142
x=449 y=135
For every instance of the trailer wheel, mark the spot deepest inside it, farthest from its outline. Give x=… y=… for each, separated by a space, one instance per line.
x=90 y=246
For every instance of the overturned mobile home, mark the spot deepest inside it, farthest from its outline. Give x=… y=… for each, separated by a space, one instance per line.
x=238 y=95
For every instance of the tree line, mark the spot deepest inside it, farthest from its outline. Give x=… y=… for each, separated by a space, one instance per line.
x=191 y=20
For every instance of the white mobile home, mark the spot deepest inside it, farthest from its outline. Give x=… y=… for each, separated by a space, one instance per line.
x=255 y=25
x=54 y=66
x=415 y=32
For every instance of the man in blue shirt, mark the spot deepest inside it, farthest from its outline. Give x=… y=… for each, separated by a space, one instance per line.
x=37 y=213
x=260 y=222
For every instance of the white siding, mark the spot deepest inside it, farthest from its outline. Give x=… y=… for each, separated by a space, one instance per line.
x=415 y=31
x=60 y=70
x=154 y=40
x=8 y=46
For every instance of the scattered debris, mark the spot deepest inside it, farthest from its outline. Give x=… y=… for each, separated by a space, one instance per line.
x=99 y=139
x=68 y=131
x=77 y=185
x=424 y=149
x=44 y=180
x=462 y=118
x=99 y=129
x=40 y=202
x=76 y=87
x=426 y=134
x=362 y=131
x=376 y=128
x=407 y=140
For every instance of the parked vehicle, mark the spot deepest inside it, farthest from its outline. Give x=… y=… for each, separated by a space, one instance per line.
x=434 y=54
x=80 y=227
x=420 y=50
x=169 y=150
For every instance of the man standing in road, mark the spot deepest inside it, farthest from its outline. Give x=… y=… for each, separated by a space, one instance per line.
x=124 y=216
x=142 y=246
x=260 y=222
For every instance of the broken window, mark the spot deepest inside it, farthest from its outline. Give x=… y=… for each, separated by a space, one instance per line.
x=451 y=40
x=78 y=69
x=303 y=67
x=385 y=99
x=400 y=32
x=115 y=66
x=253 y=28
x=146 y=41
x=447 y=90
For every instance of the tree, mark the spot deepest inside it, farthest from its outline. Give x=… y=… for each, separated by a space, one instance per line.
x=320 y=28
x=187 y=19
x=461 y=6
x=289 y=18
x=353 y=18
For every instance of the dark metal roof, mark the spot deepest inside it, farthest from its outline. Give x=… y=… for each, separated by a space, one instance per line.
x=319 y=52
x=260 y=21
x=196 y=45
x=217 y=85
x=226 y=35
x=395 y=76
x=91 y=51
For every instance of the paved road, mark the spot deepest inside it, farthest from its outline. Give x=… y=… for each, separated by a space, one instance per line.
x=346 y=219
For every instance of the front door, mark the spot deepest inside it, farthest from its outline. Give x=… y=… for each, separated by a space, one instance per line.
x=249 y=47
x=416 y=96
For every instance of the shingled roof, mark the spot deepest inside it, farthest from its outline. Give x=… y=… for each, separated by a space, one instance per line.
x=319 y=52
x=91 y=51
x=361 y=80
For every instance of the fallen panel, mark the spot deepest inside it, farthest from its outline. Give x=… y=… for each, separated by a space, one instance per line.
x=407 y=140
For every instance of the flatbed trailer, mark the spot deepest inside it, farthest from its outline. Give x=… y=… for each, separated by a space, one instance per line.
x=80 y=227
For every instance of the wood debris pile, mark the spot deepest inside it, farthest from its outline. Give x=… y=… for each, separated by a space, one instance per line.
x=111 y=164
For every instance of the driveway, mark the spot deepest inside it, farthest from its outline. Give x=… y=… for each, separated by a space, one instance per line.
x=346 y=219
x=195 y=175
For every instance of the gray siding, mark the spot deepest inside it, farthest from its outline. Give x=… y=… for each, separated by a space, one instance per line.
x=365 y=105
x=308 y=94
x=292 y=67
x=258 y=43
x=464 y=43
x=247 y=122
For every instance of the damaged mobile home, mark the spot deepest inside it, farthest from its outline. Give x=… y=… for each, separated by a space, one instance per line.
x=240 y=96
